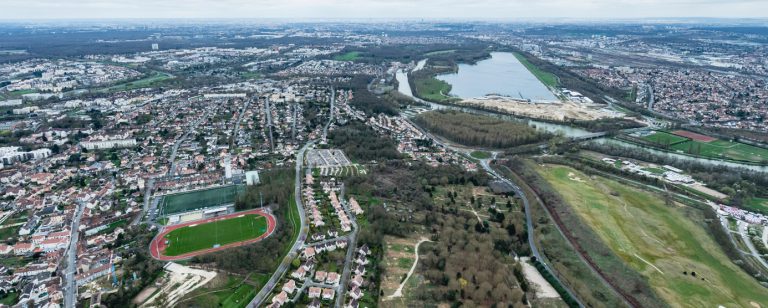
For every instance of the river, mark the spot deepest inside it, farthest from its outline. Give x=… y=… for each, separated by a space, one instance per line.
x=567 y=131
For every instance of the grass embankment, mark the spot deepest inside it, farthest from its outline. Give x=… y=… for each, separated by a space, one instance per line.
x=222 y=232
x=757 y=204
x=349 y=56
x=548 y=79
x=682 y=263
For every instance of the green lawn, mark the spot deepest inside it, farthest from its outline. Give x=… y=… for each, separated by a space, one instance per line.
x=659 y=241
x=152 y=80
x=480 y=154
x=9 y=299
x=404 y=263
x=240 y=297
x=433 y=89
x=724 y=149
x=222 y=232
x=714 y=149
x=349 y=56
x=757 y=204
x=199 y=199
x=548 y=79
x=664 y=139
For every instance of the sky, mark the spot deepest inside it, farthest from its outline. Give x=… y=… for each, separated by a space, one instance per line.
x=381 y=9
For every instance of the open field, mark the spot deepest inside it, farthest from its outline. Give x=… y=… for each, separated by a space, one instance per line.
x=398 y=259
x=724 y=149
x=196 y=237
x=350 y=56
x=198 y=199
x=681 y=261
x=548 y=79
x=199 y=237
x=665 y=139
x=433 y=89
x=694 y=136
x=705 y=146
x=152 y=80
x=757 y=204
x=480 y=154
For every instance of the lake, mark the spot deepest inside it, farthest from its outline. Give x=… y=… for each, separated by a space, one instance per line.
x=502 y=74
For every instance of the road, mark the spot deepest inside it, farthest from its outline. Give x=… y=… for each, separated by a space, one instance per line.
x=233 y=138
x=330 y=114
x=295 y=250
x=349 y=258
x=151 y=181
x=70 y=285
x=745 y=237
x=530 y=226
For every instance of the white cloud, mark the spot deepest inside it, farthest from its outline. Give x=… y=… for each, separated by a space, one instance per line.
x=471 y=9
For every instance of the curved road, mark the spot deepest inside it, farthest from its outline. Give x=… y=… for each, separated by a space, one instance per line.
x=294 y=252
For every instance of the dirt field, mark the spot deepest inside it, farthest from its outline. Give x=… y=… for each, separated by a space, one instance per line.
x=549 y=111
x=694 y=136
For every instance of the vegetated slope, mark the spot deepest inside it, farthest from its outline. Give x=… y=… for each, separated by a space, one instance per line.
x=478 y=130
x=682 y=263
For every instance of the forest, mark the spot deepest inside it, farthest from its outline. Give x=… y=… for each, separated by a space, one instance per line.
x=362 y=144
x=477 y=130
x=468 y=262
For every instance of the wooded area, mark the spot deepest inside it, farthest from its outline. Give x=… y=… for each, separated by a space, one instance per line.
x=477 y=130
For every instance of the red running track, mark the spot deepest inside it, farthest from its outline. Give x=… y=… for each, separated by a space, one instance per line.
x=157 y=246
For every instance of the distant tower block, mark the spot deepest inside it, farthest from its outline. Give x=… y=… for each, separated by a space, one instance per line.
x=228 y=167
x=155 y=46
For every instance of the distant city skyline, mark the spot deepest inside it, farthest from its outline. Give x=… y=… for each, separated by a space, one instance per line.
x=414 y=9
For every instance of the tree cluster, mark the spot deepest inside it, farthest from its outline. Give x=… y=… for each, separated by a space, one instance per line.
x=477 y=130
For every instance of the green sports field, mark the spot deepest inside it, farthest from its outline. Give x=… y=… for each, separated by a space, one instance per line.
x=193 y=200
x=663 y=243
x=714 y=149
x=665 y=139
x=724 y=149
x=193 y=238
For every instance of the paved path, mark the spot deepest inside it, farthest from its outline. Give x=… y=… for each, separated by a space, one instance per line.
x=157 y=246
x=399 y=291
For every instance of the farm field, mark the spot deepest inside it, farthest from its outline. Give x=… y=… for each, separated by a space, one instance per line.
x=187 y=201
x=681 y=261
x=197 y=237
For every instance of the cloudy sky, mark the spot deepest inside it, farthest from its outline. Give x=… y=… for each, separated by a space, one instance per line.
x=469 y=9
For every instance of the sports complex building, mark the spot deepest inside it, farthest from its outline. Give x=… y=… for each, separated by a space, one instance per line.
x=199 y=204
